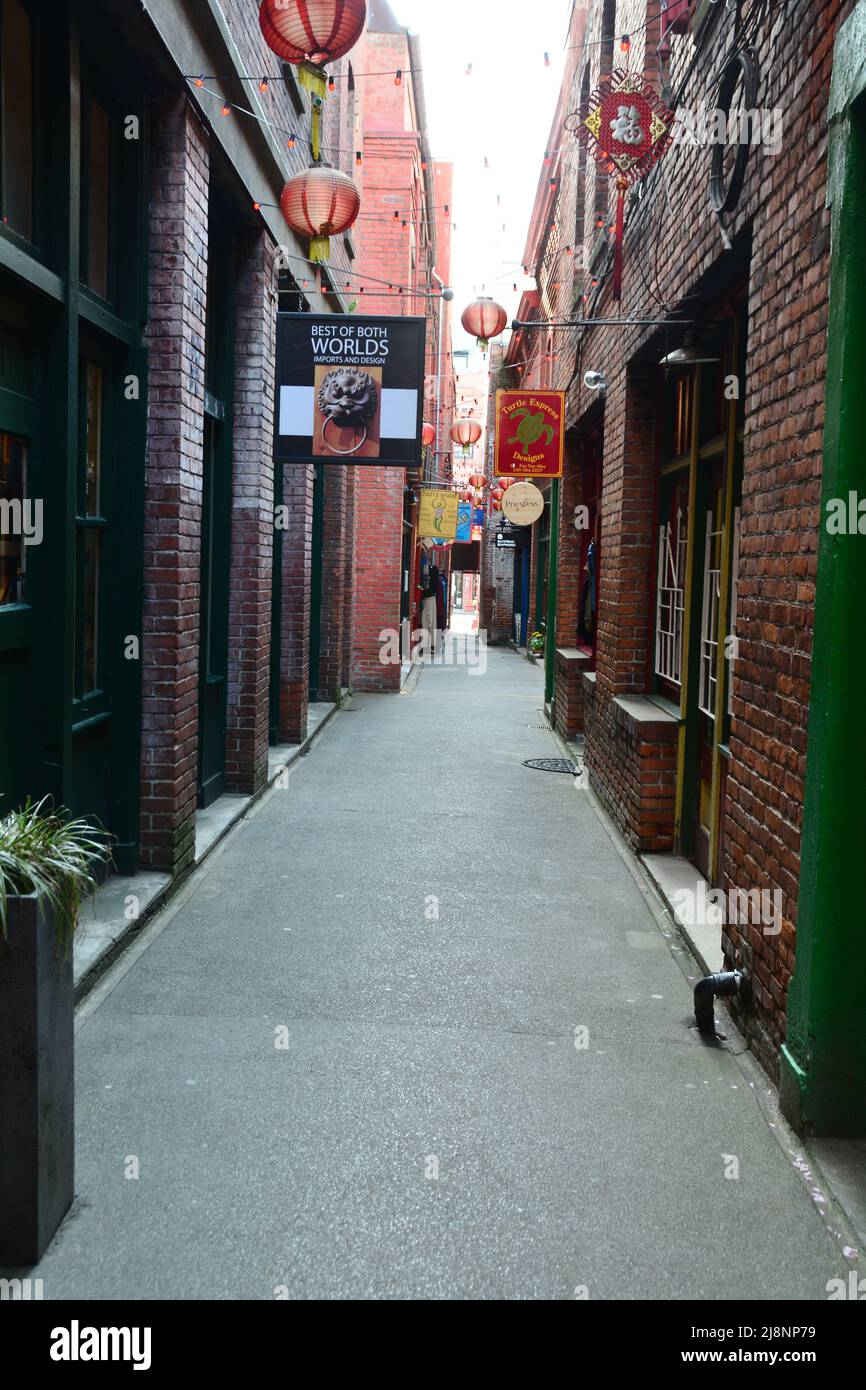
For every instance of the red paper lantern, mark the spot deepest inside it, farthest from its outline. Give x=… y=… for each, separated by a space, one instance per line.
x=484 y=319
x=428 y=434
x=466 y=432
x=505 y=483
x=497 y=494
x=477 y=480
x=466 y=495
x=319 y=203
x=497 y=506
x=312 y=31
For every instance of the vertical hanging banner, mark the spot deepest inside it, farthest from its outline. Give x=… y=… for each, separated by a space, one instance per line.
x=464 y=521
x=437 y=514
x=350 y=390
x=530 y=434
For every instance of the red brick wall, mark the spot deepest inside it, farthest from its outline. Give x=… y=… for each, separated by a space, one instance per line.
x=252 y=536
x=671 y=244
x=297 y=543
x=376 y=575
x=173 y=484
x=393 y=182
x=334 y=577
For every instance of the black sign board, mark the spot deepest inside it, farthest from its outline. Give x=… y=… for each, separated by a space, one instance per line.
x=350 y=390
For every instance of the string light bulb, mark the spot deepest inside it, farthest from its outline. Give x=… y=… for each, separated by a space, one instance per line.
x=263 y=85
x=332 y=86
x=291 y=142
x=358 y=158
x=199 y=81
x=398 y=78
x=625 y=43
x=227 y=110
x=547 y=60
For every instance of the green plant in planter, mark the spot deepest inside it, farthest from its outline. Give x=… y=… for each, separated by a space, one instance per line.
x=536 y=642
x=44 y=853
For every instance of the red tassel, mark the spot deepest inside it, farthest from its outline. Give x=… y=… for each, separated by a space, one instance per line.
x=617 y=254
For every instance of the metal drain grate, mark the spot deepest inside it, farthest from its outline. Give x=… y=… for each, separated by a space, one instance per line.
x=551 y=765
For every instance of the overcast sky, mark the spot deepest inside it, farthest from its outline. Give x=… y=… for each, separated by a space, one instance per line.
x=503 y=113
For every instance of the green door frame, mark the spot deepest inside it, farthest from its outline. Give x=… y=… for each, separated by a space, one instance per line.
x=46 y=275
x=823 y=1060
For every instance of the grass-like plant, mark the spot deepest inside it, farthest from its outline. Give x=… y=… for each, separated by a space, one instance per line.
x=43 y=852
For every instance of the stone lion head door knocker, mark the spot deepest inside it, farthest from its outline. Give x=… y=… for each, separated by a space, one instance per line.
x=347 y=399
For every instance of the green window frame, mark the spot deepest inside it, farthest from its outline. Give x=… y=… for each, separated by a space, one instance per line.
x=18 y=119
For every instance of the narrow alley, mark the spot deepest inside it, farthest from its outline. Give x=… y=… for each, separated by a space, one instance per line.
x=418 y=1030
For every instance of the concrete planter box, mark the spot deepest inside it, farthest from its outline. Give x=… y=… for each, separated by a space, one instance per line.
x=37 y=1141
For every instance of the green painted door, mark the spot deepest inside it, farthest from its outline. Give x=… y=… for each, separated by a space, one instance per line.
x=20 y=553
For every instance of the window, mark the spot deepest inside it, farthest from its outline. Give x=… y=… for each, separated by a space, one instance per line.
x=90 y=526
x=16 y=76
x=97 y=182
x=671 y=585
x=17 y=518
x=710 y=615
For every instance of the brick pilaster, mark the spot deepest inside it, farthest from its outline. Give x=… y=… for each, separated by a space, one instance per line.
x=349 y=576
x=626 y=533
x=173 y=485
x=252 y=539
x=298 y=486
x=333 y=581
x=379 y=519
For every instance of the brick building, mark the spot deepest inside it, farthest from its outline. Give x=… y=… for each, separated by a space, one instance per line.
x=684 y=650
x=404 y=238
x=167 y=629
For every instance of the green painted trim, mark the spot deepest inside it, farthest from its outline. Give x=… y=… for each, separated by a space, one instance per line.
x=28 y=268
x=16 y=627
x=823 y=1062
x=95 y=312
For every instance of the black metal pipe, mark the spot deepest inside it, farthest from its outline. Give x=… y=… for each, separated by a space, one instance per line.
x=724 y=985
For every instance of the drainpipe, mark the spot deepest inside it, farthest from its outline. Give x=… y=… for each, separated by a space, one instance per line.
x=445 y=298
x=722 y=986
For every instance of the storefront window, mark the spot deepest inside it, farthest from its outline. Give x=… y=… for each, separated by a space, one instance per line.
x=16 y=75
x=671 y=585
x=98 y=191
x=15 y=518
x=90 y=529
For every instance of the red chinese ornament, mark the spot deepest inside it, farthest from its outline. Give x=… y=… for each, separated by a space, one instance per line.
x=477 y=480
x=627 y=128
x=312 y=31
x=428 y=434
x=466 y=432
x=320 y=202
x=484 y=319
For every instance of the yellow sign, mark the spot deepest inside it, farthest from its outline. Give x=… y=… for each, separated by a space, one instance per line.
x=437 y=515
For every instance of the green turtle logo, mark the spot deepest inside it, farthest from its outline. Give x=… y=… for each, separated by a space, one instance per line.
x=530 y=430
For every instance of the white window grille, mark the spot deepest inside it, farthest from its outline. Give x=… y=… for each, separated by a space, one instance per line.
x=735 y=584
x=710 y=619
x=670 y=599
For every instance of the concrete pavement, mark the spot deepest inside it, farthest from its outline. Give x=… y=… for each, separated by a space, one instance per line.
x=344 y=1059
